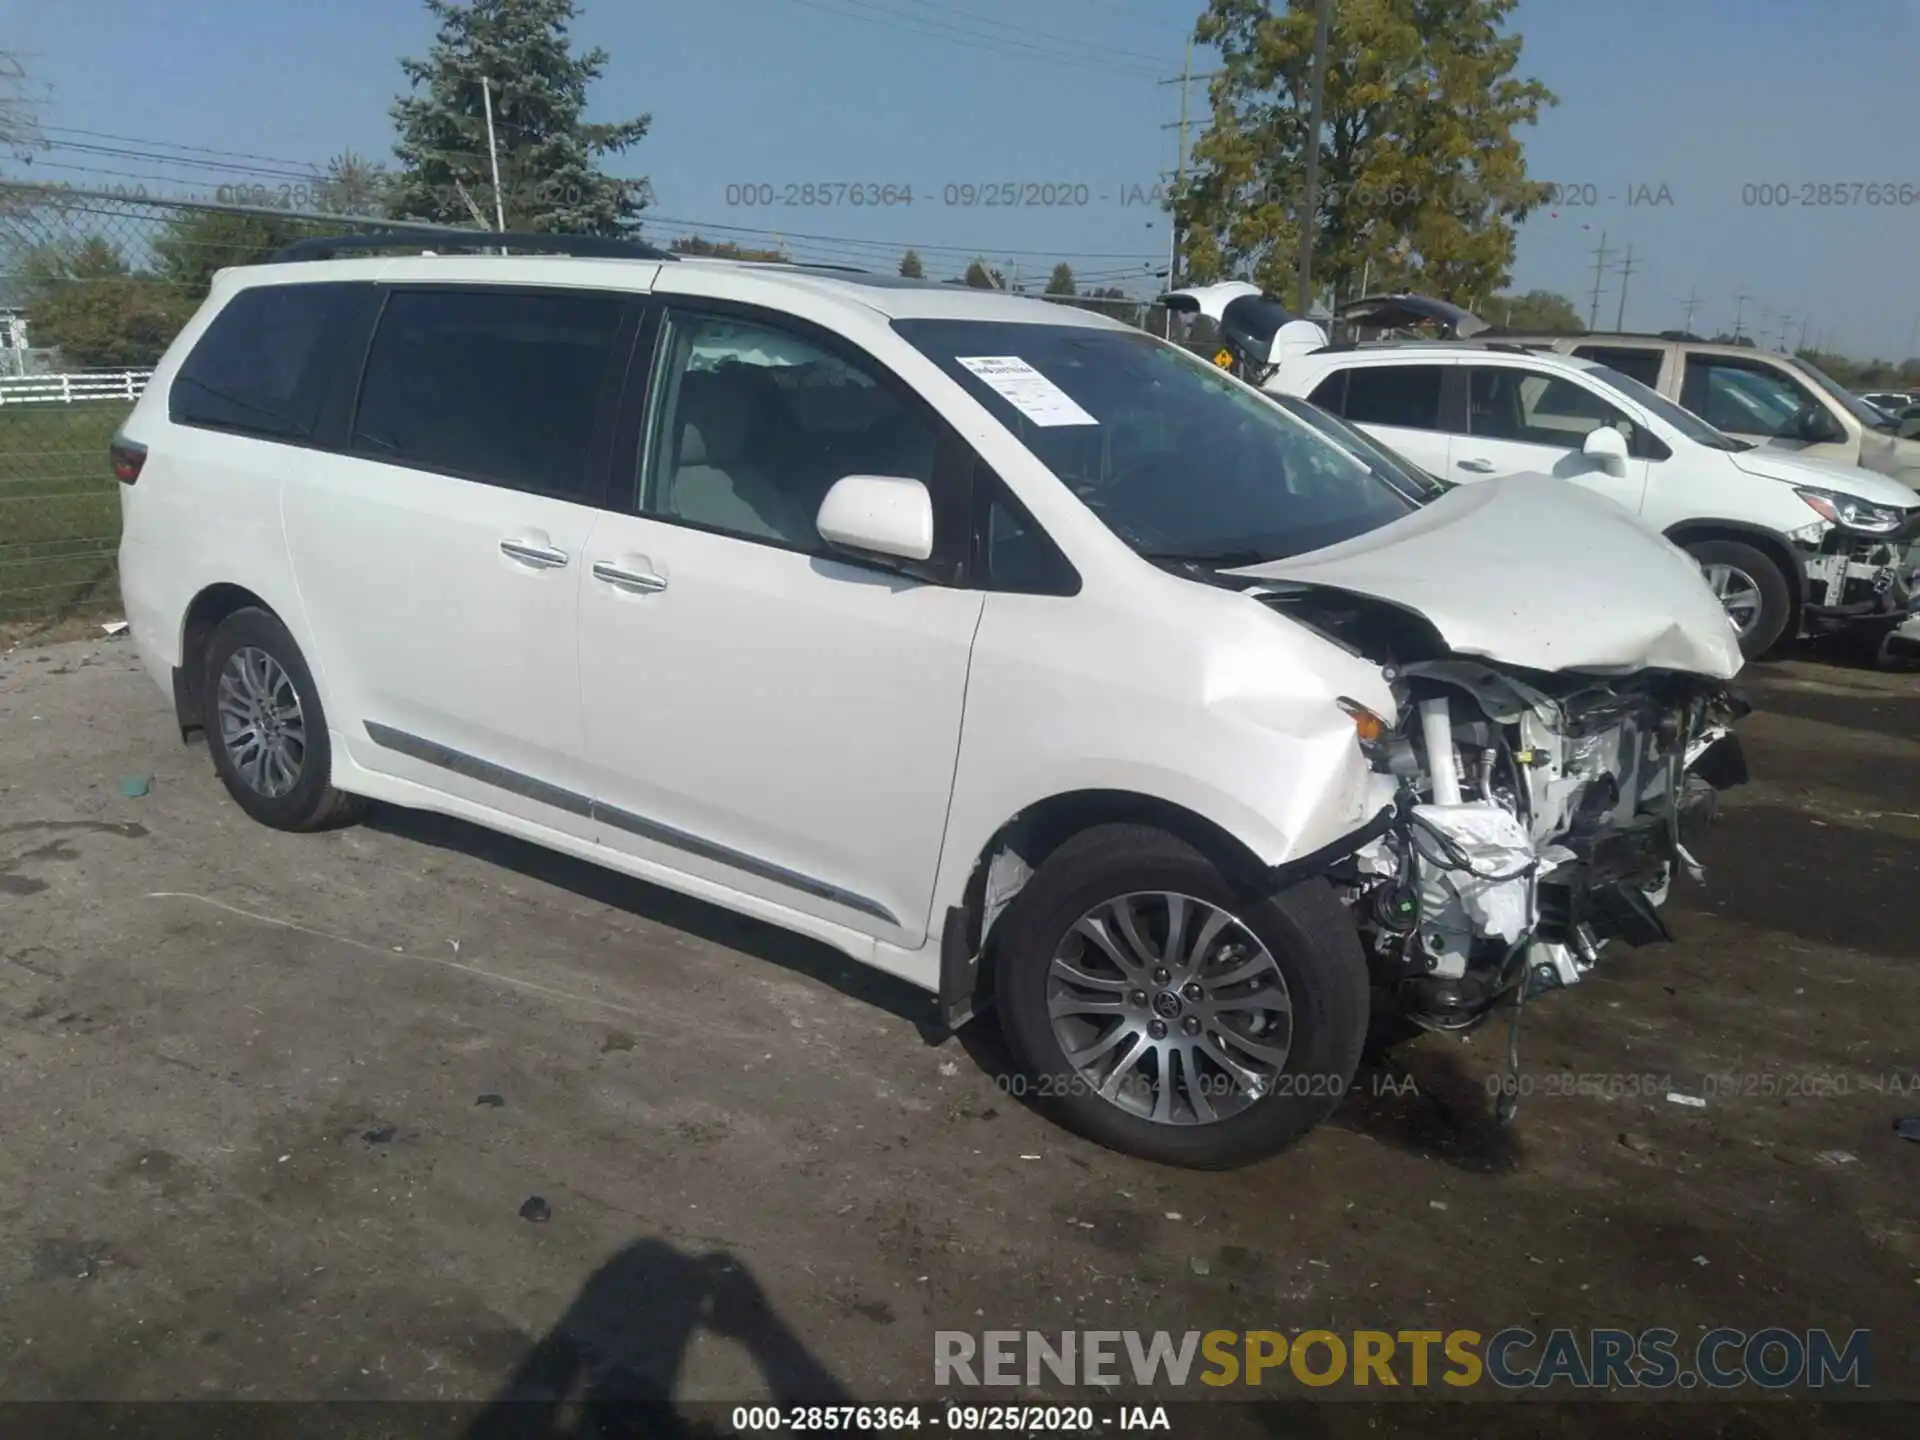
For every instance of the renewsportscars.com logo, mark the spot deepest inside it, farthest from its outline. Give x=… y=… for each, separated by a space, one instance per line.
x=1513 y=1359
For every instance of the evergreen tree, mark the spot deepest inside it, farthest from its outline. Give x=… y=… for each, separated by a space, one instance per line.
x=1061 y=281
x=911 y=267
x=549 y=177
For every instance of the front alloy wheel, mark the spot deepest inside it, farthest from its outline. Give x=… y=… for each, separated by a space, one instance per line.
x=1739 y=595
x=1170 y=1008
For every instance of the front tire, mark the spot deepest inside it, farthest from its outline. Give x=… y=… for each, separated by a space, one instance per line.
x=1159 y=1008
x=1750 y=587
x=265 y=727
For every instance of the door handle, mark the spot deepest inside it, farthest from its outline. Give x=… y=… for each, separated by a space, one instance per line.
x=643 y=582
x=1478 y=467
x=540 y=557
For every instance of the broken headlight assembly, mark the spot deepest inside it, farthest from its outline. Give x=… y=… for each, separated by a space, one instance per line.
x=1854 y=513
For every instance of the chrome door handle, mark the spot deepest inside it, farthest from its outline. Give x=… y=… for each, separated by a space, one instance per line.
x=541 y=557
x=1479 y=467
x=644 y=582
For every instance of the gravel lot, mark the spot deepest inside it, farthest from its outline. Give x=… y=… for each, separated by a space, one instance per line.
x=271 y=1107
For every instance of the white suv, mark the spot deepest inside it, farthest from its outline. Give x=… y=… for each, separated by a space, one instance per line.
x=1001 y=646
x=1792 y=546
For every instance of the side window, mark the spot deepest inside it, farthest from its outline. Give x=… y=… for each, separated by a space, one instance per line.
x=1404 y=395
x=1331 y=393
x=1534 y=408
x=257 y=369
x=1745 y=398
x=503 y=387
x=753 y=424
x=1642 y=364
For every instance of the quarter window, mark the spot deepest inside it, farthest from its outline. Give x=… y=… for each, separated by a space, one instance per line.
x=504 y=387
x=1403 y=395
x=259 y=368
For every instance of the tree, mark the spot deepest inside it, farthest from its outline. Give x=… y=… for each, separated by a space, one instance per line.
x=1724 y=338
x=1543 y=311
x=1061 y=281
x=196 y=243
x=549 y=176
x=1421 y=175
x=911 y=267
x=982 y=278
x=19 y=109
x=356 y=185
x=84 y=300
x=722 y=250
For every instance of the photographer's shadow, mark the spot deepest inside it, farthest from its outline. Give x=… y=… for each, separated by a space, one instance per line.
x=610 y=1366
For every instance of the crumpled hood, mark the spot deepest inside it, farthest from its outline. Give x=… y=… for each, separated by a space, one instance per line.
x=1534 y=572
x=1875 y=489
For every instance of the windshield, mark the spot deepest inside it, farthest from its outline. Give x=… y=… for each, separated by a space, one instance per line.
x=1685 y=421
x=1398 y=471
x=1178 y=460
x=1853 y=404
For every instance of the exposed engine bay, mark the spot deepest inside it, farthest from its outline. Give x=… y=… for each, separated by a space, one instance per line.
x=1537 y=816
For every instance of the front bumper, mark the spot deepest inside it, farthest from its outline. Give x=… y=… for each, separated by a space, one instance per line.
x=1857 y=581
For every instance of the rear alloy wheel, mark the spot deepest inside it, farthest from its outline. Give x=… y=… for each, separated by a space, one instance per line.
x=1162 y=1009
x=265 y=728
x=1750 y=589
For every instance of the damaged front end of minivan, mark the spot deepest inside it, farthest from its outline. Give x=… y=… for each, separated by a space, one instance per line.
x=1560 y=735
x=1536 y=820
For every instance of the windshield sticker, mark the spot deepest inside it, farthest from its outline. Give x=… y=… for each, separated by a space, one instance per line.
x=1026 y=389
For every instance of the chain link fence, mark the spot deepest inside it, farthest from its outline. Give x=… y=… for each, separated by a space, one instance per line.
x=94 y=285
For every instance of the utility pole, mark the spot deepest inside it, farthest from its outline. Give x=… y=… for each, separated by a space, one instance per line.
x=493 y=155
x=1803 y=336
x=1692 y=302
x=1310 y=210
x=1626 y=274
x=1184 y=80
x=1739 y=310
x=1599 y=268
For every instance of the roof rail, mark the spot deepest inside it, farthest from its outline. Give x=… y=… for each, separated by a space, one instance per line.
x=603 y=247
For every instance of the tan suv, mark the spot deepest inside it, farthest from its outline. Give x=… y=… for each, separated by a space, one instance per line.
x=1779 y=401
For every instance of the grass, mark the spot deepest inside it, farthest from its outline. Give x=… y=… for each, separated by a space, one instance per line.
x=59 y=509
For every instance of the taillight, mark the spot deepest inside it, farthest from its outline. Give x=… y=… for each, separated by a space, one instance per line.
x=128 y=457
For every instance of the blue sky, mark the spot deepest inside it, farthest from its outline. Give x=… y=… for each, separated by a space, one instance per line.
x=1703 y=97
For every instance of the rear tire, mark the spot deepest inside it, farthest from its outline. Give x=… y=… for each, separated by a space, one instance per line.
x=1744 y=575
x=265 y=728
x=1291 y=1029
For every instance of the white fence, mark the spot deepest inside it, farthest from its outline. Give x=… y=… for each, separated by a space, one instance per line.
x=77 y=385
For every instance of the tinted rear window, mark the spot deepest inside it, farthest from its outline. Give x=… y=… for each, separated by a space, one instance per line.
x=1405 y=395
x=499 y=386
x=259 y=367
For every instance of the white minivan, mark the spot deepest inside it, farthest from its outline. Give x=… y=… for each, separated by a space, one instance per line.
x=998 y=645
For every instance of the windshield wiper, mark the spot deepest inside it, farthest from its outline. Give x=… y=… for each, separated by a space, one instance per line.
x=1209 y=559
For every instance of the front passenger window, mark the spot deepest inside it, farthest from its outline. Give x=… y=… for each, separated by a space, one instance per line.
x=1532 y=408
x=752 y=425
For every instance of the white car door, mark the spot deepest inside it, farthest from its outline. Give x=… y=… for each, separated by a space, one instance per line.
x=440 y=559
x=761 y=713
x=1398 y=404
x=1523 y=420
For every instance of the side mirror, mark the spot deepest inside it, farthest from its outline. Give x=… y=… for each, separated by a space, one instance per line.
x=1817 y=427
x=888 y=515
x=1607 y=447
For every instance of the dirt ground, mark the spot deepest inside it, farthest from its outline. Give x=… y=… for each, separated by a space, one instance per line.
x=271 y=1107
